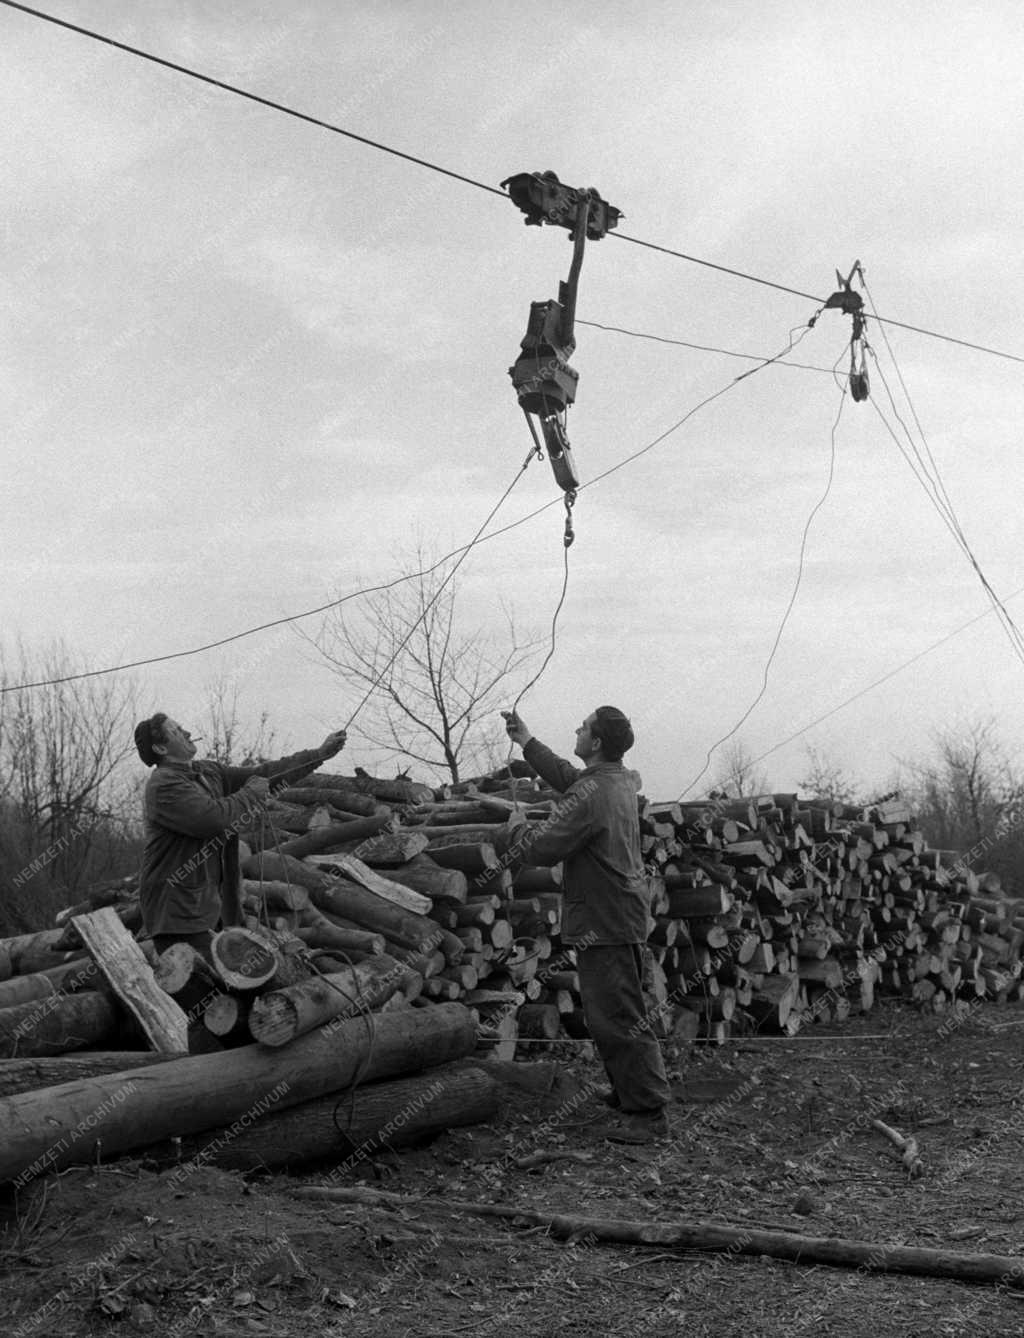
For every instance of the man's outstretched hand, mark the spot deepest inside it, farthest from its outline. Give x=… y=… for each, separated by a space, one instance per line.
x=258 y=789
x=516 y=729
x=333 y=743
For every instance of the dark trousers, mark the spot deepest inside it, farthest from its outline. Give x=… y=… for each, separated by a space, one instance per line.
x=614 y=1006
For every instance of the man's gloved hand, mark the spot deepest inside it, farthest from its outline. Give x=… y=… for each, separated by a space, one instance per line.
x=258 y=788
x=516 y=728
x=333 y=743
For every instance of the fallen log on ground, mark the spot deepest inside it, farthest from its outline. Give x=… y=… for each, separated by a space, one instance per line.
x=28 y=1075
x=375 y=1116
x=58 y=1126
x=713 y=1237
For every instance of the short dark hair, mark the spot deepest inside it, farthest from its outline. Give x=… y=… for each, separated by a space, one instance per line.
x=148 y=732
x=612 y=727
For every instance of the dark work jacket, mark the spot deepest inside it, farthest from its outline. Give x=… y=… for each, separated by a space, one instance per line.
x=194 y=813
x=594 y=830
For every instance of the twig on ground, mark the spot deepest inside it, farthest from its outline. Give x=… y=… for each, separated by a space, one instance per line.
x=906 y=1146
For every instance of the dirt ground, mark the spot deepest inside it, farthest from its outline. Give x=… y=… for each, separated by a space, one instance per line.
x=771 y=1134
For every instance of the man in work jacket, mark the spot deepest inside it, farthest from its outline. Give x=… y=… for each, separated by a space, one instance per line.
x=194 y=813
x=595 y=832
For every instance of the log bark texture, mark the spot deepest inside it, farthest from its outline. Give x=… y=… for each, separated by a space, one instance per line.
x=377 y=1115
x=200 y=1092
x=28 y=1075
x=279 y=1016
x=131 y=978
x=57 y=1024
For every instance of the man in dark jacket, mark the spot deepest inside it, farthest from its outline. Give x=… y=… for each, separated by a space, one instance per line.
x=594 y=831
x=194 y=814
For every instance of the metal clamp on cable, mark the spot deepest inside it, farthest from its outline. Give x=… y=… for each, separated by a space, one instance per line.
x=852 y=304
x=570 y=533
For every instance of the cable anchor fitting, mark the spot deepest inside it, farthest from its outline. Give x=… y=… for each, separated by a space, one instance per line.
x=570 y=534
x=851 y=304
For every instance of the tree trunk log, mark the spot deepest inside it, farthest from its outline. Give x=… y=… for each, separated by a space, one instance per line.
x=183 y=972
x=530 y=880
x=197 y=1092
x=277 y=896
x=226 y=1016
x=425 y=875
x=280 y=1015
x=773 y=1002
x=322 y=838
x=355 y=871
x=67 y=979
x=685 y=903
x=130 y=976
x=243 y=959
x=350 y=901
x=58 y=1024
x=392 y=849
x=30 y=961
x=378 y=1116
x=347 y=801
x=42 y=940
x=28 y=1075
x=322 y=933
x=473 y=858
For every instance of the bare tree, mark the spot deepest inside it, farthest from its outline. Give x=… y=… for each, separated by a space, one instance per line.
x=432 y=690
x=737 y=773
x=225 y=736
x=827 y=779
x=970 y=791
x=67 y=796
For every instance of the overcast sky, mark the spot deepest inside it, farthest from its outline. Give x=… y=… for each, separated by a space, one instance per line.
x=247 y=361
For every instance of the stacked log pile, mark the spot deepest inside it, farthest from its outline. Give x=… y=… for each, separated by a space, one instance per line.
x=373 y=904
x=773 y=911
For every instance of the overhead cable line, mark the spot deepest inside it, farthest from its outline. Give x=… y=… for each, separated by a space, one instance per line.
x=796 y=292
x=408 y=576
x=704 y=348
x=458 y=176
x=926 y=471
x=249 y=96
x=788 y=609
x=862 y=692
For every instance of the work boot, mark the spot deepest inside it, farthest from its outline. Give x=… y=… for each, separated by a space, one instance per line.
x=640 y=1127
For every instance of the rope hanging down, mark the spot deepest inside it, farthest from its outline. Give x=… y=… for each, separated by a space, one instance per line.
x=792 y=598
x=440 y=589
